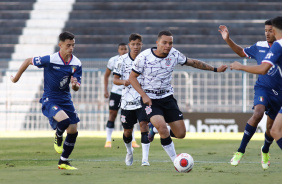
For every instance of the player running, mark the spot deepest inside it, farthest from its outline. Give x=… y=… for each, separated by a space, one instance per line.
x=60 y=69
x=265 y=98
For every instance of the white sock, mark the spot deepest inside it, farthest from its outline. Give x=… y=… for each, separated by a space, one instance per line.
x=63 y=159
x=109 y=133
x=145 y=151
x=129 y=147
x=170 y=150
x=133 y=137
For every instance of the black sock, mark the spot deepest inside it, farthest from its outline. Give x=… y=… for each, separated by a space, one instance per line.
x=144 y=138
x=69 y=144
x=62 y=126
x=127 y=139
x=166 y=141
x=267 y=142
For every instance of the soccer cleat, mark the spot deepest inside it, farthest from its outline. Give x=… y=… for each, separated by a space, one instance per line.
x=65 y=165
x=58 y=144
x=265 y=157
x=129 y=158
x=145 y=163
x=151 y=133
x=135 y=145
x=108 y=144
x=236 y=158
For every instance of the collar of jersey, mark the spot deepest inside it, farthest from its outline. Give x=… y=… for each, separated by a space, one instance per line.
x=152 y=50
x=65 y=63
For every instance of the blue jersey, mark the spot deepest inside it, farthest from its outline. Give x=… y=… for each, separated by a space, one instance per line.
x=258 y=52
x=274 y=57
x=57 y=75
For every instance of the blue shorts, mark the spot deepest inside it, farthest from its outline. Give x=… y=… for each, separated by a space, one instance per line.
x=50 y=109
x=271 y=99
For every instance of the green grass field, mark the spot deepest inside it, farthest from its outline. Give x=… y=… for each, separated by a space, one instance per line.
x=33 y=160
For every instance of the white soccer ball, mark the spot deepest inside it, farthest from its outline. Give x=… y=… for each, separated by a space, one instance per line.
x=183 y=163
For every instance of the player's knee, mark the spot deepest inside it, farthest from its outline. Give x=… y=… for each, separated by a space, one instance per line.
x=144 y=126
x=258 y=115
x=110 y=124
x=181 y=134
x=127 y=138
x=274 y=133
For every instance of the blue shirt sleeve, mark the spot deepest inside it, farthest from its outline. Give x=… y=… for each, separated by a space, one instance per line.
x=251 y=51
x=274 y=54
x=78 y=74
x=41 y=61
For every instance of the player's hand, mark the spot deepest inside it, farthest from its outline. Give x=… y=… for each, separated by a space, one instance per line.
x=224 y=32
x=13 y=79
x=126 y=83
x=235 y=66
x=147 y=100
x=106 y=94
x=73 y=81
x=222 y=68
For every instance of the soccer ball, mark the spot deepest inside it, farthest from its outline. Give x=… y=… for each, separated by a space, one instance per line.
x=183 y=163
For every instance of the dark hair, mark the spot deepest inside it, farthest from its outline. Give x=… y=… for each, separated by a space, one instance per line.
x=121 y=44
x=268 y=22
x=135 y=36
x=277 y=22
x=165 y=32
x=66 y=36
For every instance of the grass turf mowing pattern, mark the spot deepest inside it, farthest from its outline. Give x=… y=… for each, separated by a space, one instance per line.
x=34 y=160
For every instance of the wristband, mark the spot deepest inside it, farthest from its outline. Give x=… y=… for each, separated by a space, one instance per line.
x=215 y=69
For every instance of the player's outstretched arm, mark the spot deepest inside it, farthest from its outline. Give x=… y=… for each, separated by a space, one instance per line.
x=21 y=70
x=225 y=35
x=136 y=85
x=256 y=69
x=204 y=66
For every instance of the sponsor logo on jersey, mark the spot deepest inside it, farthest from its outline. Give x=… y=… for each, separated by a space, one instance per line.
x=55 y=108
x=261 y=98
x=64 y=82
x=148 y=110
x=56 y=67
x=262 y=51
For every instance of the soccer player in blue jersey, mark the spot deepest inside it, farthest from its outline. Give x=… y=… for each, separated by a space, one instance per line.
x=261 y=101
x=271 y=66
x=60 y=69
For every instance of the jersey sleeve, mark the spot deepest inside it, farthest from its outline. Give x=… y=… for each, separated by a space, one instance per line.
x=250 y=51
x=41 y=61
x=182 y=59
x=78 y=74
x=138 y=64
x=275 y=52
x=118 y=69
x=110 y=64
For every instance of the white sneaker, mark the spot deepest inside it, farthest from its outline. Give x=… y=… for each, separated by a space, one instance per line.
x=145 y=163
x=129 y=158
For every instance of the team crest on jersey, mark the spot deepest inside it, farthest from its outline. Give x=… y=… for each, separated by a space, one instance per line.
x=123 y=119
x=261 y=98
x=167 y=61
x=112 y=103
x=148 y=110
x=37 y=60
x=73 y=69
x=55 y=108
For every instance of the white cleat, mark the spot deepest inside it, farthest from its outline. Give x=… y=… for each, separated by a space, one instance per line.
x=129 y=158
x=145 y=163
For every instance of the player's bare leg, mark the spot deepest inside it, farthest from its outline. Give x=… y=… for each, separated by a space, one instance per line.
x=276 y=130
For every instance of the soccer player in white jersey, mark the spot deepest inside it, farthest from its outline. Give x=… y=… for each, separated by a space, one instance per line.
x=60 y=69
x=154 y=68
x=265 y=99
x=115 y=96
x=131 y=109
x=273 y=58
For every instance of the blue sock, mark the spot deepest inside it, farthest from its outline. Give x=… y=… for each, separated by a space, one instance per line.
x=267 y=142
x=62 y=126
x=248 y=133
x=279 y=142
x=69 y=144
